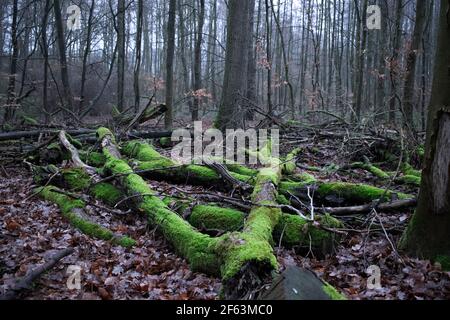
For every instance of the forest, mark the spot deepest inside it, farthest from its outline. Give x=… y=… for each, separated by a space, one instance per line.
x=224 y=150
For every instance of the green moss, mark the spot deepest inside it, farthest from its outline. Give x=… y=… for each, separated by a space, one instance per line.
x=240 y=169
x=356 y=193
x=444 y=262
x=29 y=120
x=332 y=292
x=377 y=172
x=410 y=179
x=239 y=248
x=281 y=199
x=95 y=159
x=107 y=193
x=289 y=164
x=70 y=209
x=141 y=151
x=212 y=217
x=103 y=132
x=296 y=231
x=304 y=178
x=196 y=247
x=408 y=170
x=76 y=178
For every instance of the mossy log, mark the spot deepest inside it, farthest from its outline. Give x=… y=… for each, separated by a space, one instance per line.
x=197 y=248
x=377 y=172
x=74 y=210
x=291 y=231
x=248 y=257
x=289 y=164
x=339 y=193
x=153 y=165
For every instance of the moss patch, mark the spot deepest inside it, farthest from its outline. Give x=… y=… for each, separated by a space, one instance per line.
x=212 y=217
x=332 y=292
x=356 y=193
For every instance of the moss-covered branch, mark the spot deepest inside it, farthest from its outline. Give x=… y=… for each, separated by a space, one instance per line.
x=197 y=248
x=73 y=210
x=292 y=230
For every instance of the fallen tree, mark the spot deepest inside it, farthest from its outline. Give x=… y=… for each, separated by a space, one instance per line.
x=243 y=259
x=153 y=165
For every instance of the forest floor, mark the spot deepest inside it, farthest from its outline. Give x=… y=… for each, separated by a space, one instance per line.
x=31 y=228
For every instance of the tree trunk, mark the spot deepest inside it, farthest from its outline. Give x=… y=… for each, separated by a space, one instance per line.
x=11 y=95
x=120 y=28
x=198 y=61
x=409 y=96
x=428 y=232
x=234 y=82
x=67 y=92
x=137 y=64
x=169 y=64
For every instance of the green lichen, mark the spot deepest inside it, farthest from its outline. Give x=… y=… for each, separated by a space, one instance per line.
x=212 y=217
x=332 y=292
x=71 y=208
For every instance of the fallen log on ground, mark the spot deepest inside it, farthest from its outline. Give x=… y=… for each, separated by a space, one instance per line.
x=73 y=209
x=16 y=135
x=153 y=165
x=244 y=259
x=291 y=231
x=387 y=206
x=248 y=255
x=197 y=248
x=26 y=282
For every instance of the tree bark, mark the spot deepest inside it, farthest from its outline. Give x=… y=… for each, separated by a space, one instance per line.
x=169 y=64
x=428 y=232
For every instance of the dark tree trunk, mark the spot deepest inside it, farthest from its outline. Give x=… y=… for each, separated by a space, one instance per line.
x=428 y=232
x=235 y=78
x=198 y=61
x=169 y=64
x=409 y=92
x=67 y=92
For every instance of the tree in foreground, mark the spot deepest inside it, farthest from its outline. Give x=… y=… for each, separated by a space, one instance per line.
x=428 y=234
